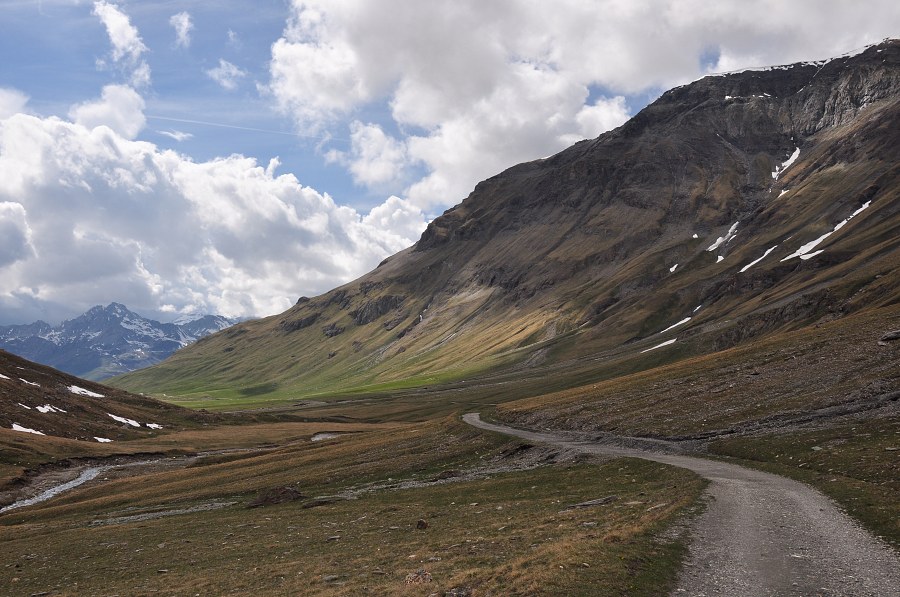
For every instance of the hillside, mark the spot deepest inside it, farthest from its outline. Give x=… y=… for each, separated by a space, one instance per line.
x=730 y=208
x=105 y=341
x=36 y=400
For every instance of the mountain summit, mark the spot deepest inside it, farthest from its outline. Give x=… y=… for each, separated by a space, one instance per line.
x=105 y=341
x=732 y=207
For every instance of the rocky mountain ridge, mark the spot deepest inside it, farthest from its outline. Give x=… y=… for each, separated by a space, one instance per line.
x=729 y=208
x=105 y=341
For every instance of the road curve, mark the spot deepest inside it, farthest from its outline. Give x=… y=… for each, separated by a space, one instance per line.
x=761 y=534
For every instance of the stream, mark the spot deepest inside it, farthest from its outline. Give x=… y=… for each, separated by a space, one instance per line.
x=85 y=476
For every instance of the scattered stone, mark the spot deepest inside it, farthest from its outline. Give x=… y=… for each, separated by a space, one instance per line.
x=334 y=538
x=162 y=571
x=891 y=449
x=330 y=578
x=276 y=495
x=379 y=572
x=891 y=336
x=421 y=525
x=597 y=502
x=459 y=592
x=332 y=329
x=420 y=576
x=515 y=451
x=448 y=474
x=657 y=506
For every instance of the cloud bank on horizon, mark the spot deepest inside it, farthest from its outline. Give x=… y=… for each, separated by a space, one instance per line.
x=408 y=105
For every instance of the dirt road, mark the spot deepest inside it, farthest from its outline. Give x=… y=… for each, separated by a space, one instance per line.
x=761 y=534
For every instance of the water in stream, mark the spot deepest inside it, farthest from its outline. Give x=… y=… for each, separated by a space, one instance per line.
x=85 y=476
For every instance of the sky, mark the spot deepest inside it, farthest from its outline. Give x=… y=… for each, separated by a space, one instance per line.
x=187 y=156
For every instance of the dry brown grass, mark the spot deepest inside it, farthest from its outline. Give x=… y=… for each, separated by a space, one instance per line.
x=508 y=534
x=24 y=451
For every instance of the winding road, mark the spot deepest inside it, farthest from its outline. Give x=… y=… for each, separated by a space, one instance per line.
x=761 y=534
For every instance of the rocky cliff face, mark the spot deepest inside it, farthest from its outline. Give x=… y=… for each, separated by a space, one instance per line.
x=730 y=207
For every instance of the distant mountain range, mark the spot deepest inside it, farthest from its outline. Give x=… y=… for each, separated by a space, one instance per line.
x=106 y=341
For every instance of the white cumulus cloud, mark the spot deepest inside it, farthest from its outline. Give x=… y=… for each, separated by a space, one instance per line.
x=475 y=87
x=120 y=108
x=15 y=234
x=88 y=215
x=183 y=26
x=127 y=45
x=226 y=74
x=177 y=135
x=12 y=101
x=375 y=158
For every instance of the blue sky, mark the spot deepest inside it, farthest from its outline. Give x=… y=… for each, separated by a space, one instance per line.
x=57 y=44
x=187 y=156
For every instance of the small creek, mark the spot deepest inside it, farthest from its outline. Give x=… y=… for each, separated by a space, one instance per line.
x=322 y=436
x=85 y=476
x=91 y=472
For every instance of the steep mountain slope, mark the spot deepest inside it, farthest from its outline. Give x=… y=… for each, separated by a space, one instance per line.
x=105 y=341
x=38 y=400
x=732 y=207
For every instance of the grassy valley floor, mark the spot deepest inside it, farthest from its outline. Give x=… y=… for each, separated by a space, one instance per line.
x=434 y=507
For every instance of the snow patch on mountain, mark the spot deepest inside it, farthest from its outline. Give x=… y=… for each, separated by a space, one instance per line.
x=755 y=261
x=805 y=251
x=675 y=325
x=125 y=420
x=666 y=343
x=724 y=240
x=82 y=392
x=786 y=164
x=49 y=408
x=17 y=427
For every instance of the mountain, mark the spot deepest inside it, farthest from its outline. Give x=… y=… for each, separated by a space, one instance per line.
x=737 y=206
x=36 y=400
x=105 y=341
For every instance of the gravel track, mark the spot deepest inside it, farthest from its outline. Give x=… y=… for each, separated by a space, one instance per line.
x=761 y=534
